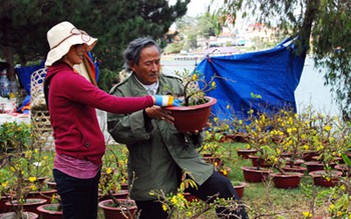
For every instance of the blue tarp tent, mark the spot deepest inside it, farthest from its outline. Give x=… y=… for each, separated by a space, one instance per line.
x=273 y=74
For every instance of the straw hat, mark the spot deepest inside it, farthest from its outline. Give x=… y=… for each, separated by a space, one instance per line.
x=64 y=35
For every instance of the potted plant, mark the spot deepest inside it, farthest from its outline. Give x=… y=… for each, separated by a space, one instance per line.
x=196 y=108
x=258 y=131
x=113 y=175
x=114 y=201
x=19 y=170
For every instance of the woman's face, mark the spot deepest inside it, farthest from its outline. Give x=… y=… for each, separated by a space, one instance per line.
x=75 y=54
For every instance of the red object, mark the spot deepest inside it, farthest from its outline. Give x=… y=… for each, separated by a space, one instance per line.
x=28 y=215
x=116 y=212
x=254 y=175
x=191 y=118
x=319 y=178
x=240 y=189
x=49 y=214
x=245 y=153
x=298 y=169
x=286 y=181
x=30 y=205
x=314 y=165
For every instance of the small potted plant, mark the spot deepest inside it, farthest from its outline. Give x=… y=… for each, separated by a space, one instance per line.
x=258 y=131
x=21 y=168
x=196 y=108
x=114 y=201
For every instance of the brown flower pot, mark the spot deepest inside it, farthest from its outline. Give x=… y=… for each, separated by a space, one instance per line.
x=297 y=169
x=52 y=184
x=49 y=211
x=245 y=153
x=345 y=169
x=30 y=205
x=12 y=215
x=314 y=165
x=256 y=161
x=191 y=198
x=120 y=194
x=42 y=194
x=239 y=137
x=254 y=175
x=124 y=186
x=297 y=162
x=286 y=181
x=319 y=178
x=4 y=208
x=239 y=188
x=307 y=156
x=111 y=212
x=191 y=118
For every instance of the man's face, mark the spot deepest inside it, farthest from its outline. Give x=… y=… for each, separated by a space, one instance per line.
x=148 y=69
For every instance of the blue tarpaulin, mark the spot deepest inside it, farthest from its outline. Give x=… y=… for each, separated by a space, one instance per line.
x=272 y=74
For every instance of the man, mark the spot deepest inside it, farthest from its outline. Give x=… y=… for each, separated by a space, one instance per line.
x=158 y=153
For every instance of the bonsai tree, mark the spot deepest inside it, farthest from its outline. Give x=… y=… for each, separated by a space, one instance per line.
x=195 y=87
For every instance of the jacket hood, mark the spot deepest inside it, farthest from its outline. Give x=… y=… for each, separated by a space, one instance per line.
x=56 y=68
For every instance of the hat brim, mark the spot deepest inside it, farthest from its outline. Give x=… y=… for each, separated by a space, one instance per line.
x=58 y=52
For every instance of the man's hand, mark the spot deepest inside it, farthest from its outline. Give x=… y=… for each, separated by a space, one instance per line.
x=157 y=112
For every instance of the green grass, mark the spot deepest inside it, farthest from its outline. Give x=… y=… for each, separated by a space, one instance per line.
x=263 y=199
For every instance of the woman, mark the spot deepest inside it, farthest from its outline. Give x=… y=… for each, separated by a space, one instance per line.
x=79 y=141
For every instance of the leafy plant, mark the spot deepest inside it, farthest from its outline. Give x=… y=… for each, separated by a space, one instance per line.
x=195 y=87
x=14 y=136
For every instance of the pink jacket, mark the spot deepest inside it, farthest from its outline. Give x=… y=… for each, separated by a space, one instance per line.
x=72 y=103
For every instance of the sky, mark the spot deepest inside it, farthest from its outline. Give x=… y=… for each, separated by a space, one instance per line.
x=198 y=7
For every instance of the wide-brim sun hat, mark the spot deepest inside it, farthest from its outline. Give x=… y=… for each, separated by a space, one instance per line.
x=64 y=35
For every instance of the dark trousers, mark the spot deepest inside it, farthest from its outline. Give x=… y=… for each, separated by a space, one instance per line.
x=79 y=197
x=217 y=183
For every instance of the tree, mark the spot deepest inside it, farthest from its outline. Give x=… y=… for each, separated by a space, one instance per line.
x=323 y=27
x=114 y=22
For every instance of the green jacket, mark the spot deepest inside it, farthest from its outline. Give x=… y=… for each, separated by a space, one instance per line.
x=157 y=148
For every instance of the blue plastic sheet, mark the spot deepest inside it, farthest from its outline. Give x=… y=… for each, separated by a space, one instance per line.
x=272 y=74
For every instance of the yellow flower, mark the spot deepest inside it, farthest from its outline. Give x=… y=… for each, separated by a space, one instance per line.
x=213 y=84
x=32 y=179
x=327 y=128
x=307 y=214
x=180 y=195
x=174 y=200
x=164 y=207
x=339 y=213
x=277 y=150
x=306 y=147
x=228 y=106
x=109 y=170
x=224 y=172
x=194 y=77
x=33 y=187
x=4 y=184
x=331 y=207
x=215 y=119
